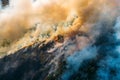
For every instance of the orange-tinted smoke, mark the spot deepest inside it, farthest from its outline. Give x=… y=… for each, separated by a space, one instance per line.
x=23 y=14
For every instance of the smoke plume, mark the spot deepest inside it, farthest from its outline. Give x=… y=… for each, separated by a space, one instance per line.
x=76 y=59
x=105 y=57
x=20 y=15
x=96 y=18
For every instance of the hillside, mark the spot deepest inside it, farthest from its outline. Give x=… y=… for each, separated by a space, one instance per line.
x=59 y=40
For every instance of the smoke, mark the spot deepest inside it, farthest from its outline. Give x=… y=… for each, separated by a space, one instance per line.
x=106 y=54
x=74 y=61
x=97 y=18
x=117 y=28
x=20 y=15
x=94 y=17
x=0 y=5
x=14 y=20
x=109 y=66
